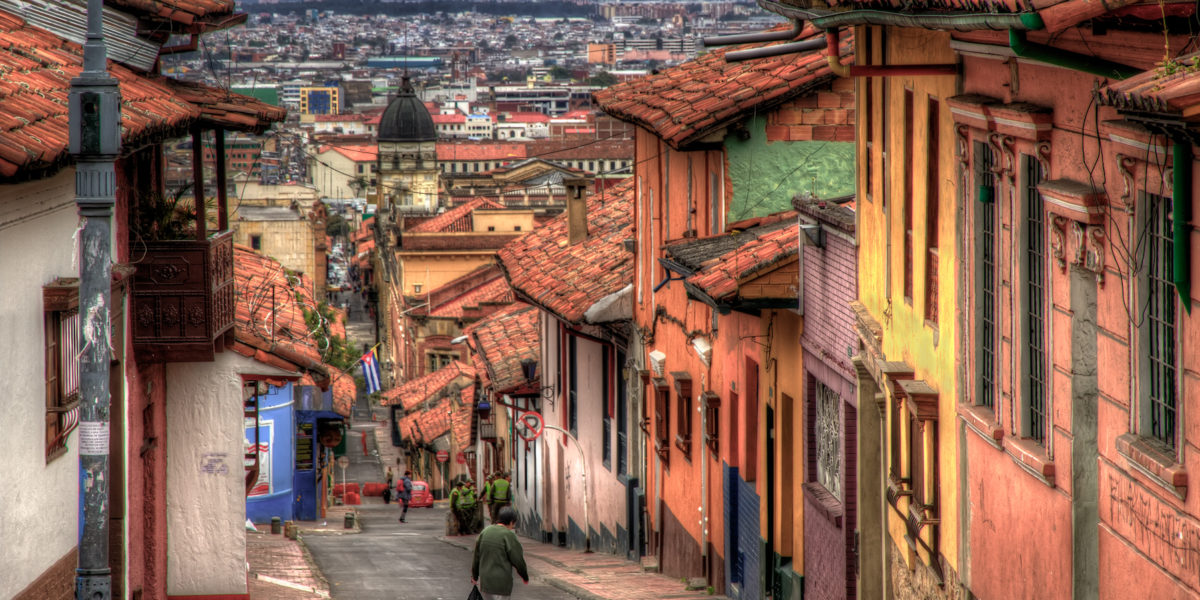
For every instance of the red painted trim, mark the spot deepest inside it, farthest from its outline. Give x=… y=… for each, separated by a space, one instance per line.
x=245 y=596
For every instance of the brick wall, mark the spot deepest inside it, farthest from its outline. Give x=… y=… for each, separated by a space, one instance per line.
x=55 y=583
x=826 y=115
x=824 y=558
x=830 y=284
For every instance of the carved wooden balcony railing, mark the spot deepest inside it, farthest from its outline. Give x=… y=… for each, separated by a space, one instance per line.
x=183 y=299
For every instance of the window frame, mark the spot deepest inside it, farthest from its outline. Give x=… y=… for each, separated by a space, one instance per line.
x=661 y=407
x=986 y=226
x=1159 y=245
x=1034 y=284
x=683 y=417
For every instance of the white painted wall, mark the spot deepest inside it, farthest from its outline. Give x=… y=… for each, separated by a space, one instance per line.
x=206 y=492
x=38 y=501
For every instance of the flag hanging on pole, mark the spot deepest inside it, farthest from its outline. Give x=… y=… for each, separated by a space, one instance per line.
x=370 y=369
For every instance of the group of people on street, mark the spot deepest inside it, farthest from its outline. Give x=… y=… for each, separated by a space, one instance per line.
x=466 y=504
x=498 y=552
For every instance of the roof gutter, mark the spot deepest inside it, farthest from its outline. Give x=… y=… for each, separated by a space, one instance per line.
x=833 y=54
x=1067 y=59
x=753 y=38
x=776 y=50
x=827 y=19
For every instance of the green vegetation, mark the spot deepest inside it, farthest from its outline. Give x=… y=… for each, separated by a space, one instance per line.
x=335 y=350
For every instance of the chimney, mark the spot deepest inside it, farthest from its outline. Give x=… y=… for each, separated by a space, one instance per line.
x=577 y=195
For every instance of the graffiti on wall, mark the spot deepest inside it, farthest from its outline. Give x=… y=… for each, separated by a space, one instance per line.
x=1167 y=536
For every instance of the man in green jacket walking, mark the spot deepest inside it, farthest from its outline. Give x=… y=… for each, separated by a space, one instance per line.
x=497 y=553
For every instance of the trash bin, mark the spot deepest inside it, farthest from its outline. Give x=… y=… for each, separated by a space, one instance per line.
x=349 y=524
x=276 y=525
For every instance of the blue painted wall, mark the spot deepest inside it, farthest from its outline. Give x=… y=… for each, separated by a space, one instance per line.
x=277 y=429
x=743 y=562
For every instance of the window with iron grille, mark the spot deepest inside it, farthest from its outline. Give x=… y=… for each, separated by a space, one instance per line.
x=622 y=401
x=826 y=436
x=896 y=426
x=1035 y=292
x=712 y=420
x=62 y=344
x=606 y=408
x=572 y=387
x=916 y=461
x=985 y=273
x=1160 y=388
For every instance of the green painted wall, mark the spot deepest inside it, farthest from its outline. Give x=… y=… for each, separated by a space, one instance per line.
x=766 y=175
x=270 y=95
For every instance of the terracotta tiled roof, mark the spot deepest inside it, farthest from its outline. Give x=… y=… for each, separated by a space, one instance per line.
x=440 y=418
x=455 y=219
x=414 y=392
x=184 y=12
x=555 y=150
x=722 y=262
x=526 y=117
x=36 y=69
x=477 y=151
x=686 y=102
x=344 y=393
x=343 y=118
x=495 y=291
x=226 y=109
x=567 y=279
x=1154 y=91
x=269 y=324
x=449 y=119
x=502 y=340
x=356 y=153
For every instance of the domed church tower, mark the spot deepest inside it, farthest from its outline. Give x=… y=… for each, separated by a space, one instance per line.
x=408 y=169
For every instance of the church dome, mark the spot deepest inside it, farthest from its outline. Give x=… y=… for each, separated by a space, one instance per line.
x=406 y=119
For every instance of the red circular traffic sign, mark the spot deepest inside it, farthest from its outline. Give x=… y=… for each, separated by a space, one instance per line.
x=443 y=456
x=460 y=458
x=529 y=425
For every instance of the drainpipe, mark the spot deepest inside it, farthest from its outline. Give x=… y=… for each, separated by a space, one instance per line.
x=761 y=36
x=1067 y=59
x=833 y=53
x=95 y=140
x=1181 y=204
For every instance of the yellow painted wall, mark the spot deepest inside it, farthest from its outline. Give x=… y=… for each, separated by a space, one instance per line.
x=289 y=242
x=434 y=269
x=930 y=348
x=504 y=220
x=781 y=371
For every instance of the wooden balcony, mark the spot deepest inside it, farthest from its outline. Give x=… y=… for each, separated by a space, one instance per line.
x=183 y=299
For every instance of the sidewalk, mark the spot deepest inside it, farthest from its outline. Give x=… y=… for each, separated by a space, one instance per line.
x=592 y=576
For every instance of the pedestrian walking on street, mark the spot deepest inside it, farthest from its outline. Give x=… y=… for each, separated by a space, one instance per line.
x=404 y=493
x=466 y=509
x=497 y=553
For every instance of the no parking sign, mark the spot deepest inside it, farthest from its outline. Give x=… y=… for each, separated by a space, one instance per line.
x=529 y=425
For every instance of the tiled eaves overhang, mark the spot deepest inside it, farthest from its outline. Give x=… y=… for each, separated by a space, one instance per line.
x=36 y=69
x=688 y=103
x=1164 y=103
x=181 y=16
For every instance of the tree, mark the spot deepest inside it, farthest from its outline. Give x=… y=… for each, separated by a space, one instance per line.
x=510 y=40
x=336 y=226
x=558 y=72
x=602 y=79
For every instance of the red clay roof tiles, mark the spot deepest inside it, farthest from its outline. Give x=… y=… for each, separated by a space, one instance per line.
x=567 y=279
x=412 y=393
x=1155 y=91
x=740 y=255
x=684 y=103
x=502 y=340
x=455 y=219
x=36 y=69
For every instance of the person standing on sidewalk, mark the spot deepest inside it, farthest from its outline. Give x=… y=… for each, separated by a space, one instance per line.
x=499 y=494
x=497 y=553
x=404 y=494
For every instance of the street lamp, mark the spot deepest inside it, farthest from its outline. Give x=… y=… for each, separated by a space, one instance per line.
x=529 y=370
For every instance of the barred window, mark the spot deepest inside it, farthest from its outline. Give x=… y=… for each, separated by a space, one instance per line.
x=827 y=435
x=683 y=404
x=62 y=345
x=1160 y=320
x=985 y=273
x=1035 y=291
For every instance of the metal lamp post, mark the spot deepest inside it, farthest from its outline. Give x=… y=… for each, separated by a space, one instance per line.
x=95 y=141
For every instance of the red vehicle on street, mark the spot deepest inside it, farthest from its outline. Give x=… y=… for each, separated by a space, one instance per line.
x=421 y=497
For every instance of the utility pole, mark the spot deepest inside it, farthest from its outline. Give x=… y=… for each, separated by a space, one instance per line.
x=95 y=140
